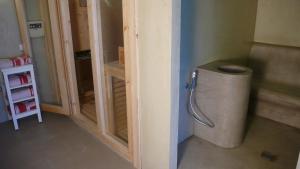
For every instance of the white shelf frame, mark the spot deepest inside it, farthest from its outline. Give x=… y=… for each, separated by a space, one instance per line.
x=24 y=99
x=17 y=70
x=21 y=86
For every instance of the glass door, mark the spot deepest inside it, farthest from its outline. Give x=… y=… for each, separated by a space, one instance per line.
x=111 y=14
x=37 y=29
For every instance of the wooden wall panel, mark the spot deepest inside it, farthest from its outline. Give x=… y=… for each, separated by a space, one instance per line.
x=116 y=99
x=112 y=29
x=119 y=108
x=80 y=28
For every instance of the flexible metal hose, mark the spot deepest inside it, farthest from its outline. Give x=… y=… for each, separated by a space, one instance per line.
x=204 y=120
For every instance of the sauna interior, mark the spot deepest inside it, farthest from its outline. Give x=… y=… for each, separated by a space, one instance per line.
x=114 y=68
x=82 y=57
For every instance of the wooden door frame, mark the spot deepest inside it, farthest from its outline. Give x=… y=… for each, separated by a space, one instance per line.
x=58 y=52
x=131 y=74
x=132 y=152
x=65 y=63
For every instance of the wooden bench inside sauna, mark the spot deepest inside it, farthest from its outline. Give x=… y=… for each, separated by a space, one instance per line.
x=116 y=97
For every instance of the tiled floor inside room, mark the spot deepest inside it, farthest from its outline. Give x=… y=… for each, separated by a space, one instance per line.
x=87 y=105
x=280 y=144
x=57 y=143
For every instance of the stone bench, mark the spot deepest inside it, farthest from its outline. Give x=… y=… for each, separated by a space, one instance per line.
x=276 y=83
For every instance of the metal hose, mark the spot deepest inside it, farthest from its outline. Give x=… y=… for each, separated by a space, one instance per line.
x=204 y=120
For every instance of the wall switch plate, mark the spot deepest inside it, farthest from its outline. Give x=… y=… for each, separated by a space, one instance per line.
x=21 y=48
x=83 y=3
x=36 y=29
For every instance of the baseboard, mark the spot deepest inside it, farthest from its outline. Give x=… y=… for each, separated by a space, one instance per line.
x=278 y=113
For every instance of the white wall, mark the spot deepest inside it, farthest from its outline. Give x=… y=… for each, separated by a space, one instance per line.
x=278 y=22
x=9 y=31
x=158 y=41
x=9 y=38
x=212 y=30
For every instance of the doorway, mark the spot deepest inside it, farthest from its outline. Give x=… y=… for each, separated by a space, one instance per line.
x=114 y=69
x=82 y=56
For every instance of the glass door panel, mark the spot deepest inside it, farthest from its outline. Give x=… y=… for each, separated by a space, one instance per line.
x=37 y=11
x=113 y=52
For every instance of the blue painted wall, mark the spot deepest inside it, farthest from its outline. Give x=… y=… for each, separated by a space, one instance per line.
x=188 y=10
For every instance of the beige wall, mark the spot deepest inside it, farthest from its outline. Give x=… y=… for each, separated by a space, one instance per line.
x=223 y=29
x=212 y=30
x=156 y=63
x=278 y=22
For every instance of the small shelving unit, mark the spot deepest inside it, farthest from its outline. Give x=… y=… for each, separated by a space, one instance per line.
x=26 y=69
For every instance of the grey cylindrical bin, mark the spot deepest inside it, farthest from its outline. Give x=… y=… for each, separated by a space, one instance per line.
x=222 y=93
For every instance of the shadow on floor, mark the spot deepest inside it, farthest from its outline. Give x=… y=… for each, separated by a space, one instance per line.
x=57 y=143
x=267 y=145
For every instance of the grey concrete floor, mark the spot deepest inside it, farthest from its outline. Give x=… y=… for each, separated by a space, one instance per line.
x=262 y=135
x=57 y=143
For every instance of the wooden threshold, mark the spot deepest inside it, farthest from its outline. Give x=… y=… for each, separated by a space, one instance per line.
x=87 y=105
x=52 y=108
x=92 y=128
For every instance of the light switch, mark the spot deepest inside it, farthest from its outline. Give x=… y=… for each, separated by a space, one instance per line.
x=36 y=29
x=21 y=48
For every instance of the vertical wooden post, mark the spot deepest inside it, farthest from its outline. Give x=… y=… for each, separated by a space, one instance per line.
x=131 y=78
x=21 y=15
x=44 y=10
